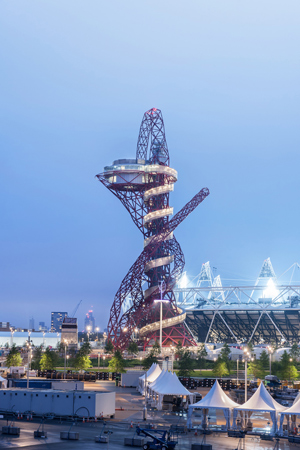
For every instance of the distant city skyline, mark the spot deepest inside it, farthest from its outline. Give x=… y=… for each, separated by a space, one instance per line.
x=36 y=324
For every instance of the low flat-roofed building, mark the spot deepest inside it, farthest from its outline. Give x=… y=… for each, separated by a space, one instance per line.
x=37 y=338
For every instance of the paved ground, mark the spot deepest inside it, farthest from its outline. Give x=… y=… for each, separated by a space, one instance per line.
x=129 y=405
x=87 y=433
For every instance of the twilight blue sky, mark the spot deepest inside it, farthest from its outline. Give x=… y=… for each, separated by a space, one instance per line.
x=75 y=80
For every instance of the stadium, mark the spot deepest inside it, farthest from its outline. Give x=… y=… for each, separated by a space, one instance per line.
x=265 y=312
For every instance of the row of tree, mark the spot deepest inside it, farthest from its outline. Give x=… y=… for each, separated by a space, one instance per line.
x=186 y=362
x=49 y=359
x=284 y=369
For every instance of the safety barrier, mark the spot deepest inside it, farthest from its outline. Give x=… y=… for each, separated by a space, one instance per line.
x=70 y=375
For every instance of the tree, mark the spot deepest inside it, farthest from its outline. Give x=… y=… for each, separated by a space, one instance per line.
x=179 y=349
x=150 y=359
x=220 y=369
x=133 y=348
x=295 y=351
x=202 y=353
x=201 y=356
x=47 y=361
x=82 y=362
x=225 y=356
x=14 y=358
x=109 y=348
x=156 y=348
x=60 y=347
x=255 y=368
x=225 y=352
x=85 y=349
x=264 y=360
x=117 y=363
x=289 y=372
x=37 y=355
x=186 y=364
x=250 y=347
x=284 y=360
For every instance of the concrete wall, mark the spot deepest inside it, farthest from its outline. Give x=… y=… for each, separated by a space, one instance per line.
x=68 y=385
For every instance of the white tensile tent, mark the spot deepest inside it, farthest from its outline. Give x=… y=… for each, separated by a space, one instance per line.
x=260 y=401
x=217 y=399
x=293 y=411
x=152 y=374
x=167 y=384
x=297 y=398
x=164 y=375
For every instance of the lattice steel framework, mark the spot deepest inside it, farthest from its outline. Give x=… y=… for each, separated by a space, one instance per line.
x=243 y=313
x=143 y=186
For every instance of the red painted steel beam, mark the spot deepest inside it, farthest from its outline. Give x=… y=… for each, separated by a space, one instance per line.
x=132 y=281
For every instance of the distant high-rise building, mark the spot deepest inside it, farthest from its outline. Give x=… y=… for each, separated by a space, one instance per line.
x=42 y=326
x=89 y=321
x=31 y=323
x=57 y=320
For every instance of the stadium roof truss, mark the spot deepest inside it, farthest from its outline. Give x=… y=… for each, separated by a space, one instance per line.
x=269 y=313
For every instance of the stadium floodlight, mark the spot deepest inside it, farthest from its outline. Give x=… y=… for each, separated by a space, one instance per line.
x=183 y=282
x=270 y=291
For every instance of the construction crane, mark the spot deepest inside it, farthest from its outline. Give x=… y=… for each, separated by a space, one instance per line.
x=75 y=310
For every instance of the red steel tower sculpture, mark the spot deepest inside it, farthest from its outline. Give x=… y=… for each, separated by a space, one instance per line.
x=143 y=185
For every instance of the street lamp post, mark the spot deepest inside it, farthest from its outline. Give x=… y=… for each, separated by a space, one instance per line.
x=270 y=349
x=237 y=372
x=65 y=342
x=172 y=358
x=145 y=405
x=28 y=357
x=246 y=380
x=28 y=362
x=88 y=329
x=11 y=336
x=68 y=356
x=161 y=301
x=247 y=357
x=99 y=356
x=97 y=329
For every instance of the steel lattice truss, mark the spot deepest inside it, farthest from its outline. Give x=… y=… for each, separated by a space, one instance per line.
x=243 y=313
x=152 y=129
x=143 y=187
